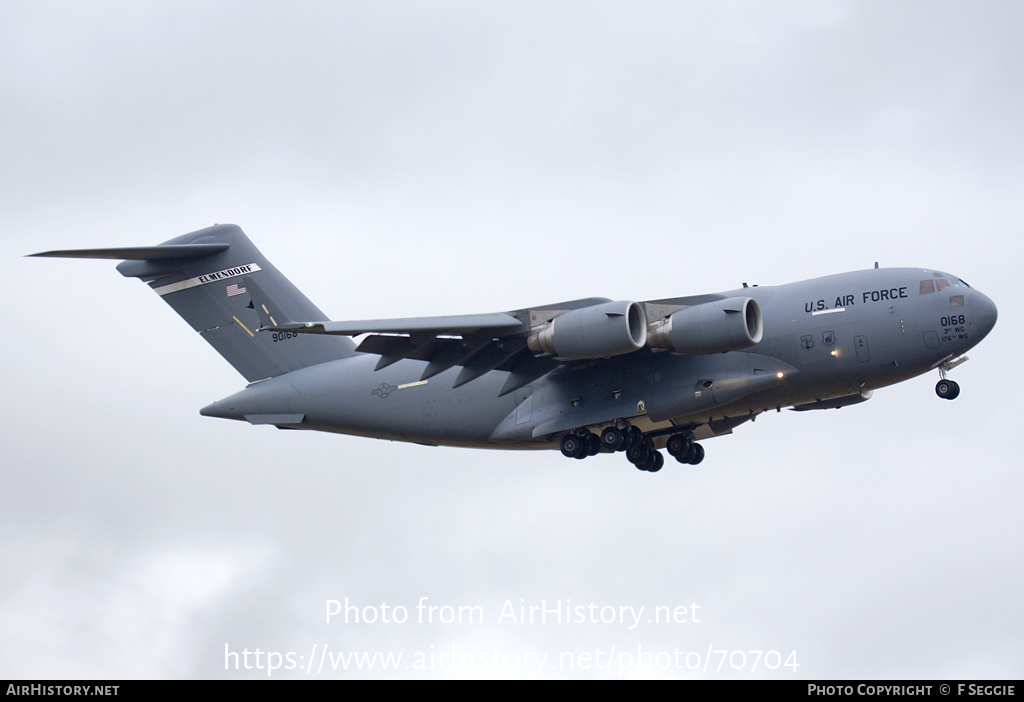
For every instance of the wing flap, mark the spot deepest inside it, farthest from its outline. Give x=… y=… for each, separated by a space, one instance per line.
x=486 y=359
x=524 y=370
x=479 y=343
x=453 y=325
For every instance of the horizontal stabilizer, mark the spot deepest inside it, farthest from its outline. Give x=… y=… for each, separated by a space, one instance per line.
x=141 y=253
x=204 y=275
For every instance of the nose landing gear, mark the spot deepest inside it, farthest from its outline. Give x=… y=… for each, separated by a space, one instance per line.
x=947 y=389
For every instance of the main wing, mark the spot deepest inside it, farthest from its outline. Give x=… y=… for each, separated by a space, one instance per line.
x=529 y=343
x=478 y=343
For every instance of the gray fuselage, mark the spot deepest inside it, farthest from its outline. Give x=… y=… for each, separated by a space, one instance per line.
x=826 y=342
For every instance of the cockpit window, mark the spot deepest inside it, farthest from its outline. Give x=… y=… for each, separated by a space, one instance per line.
x=956 y=300
x=940 y=283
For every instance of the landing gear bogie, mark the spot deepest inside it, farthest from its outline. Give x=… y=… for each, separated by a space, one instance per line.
x=639 y=448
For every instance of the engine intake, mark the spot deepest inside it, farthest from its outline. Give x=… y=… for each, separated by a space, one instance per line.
x=608 y=329
x=711 y=327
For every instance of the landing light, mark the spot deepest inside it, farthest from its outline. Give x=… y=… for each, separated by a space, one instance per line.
x=779 y=374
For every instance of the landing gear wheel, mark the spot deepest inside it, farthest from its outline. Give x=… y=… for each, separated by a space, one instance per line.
x=693 y=456
x=612 y=439
x=638 y=453
x=573 y=446
x=627 y=439
x=657 y=461
x=653 y=462
x=635 y=435
x=678 y=445
x=947 y=389
x=593 y=444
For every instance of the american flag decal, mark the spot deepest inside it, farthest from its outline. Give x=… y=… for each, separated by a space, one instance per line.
x=233 y=290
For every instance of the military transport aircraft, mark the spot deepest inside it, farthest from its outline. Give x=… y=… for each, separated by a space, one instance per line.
x=586 y=376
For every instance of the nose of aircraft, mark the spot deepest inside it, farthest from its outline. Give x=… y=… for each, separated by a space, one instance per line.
x=984 y=312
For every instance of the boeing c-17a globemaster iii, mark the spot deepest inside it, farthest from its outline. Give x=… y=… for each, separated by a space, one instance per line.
x=587 y=376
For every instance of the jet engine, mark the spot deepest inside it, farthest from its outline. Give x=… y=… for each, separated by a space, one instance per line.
x=711 y=327
x=608 y=329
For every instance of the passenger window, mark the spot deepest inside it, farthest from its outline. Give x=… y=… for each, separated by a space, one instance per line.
x=927 y=286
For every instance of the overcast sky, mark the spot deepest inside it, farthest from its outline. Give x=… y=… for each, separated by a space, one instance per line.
x=419 y=158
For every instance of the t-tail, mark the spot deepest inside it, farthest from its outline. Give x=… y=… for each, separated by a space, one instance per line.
x=203 y=277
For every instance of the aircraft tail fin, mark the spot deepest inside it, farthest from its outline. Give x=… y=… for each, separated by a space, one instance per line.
x=203 y=276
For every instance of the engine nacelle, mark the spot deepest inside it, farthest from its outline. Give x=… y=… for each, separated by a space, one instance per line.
x=711 y=327
x=608 y=329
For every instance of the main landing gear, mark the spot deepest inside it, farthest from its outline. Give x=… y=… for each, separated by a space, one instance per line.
x=639 y=448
